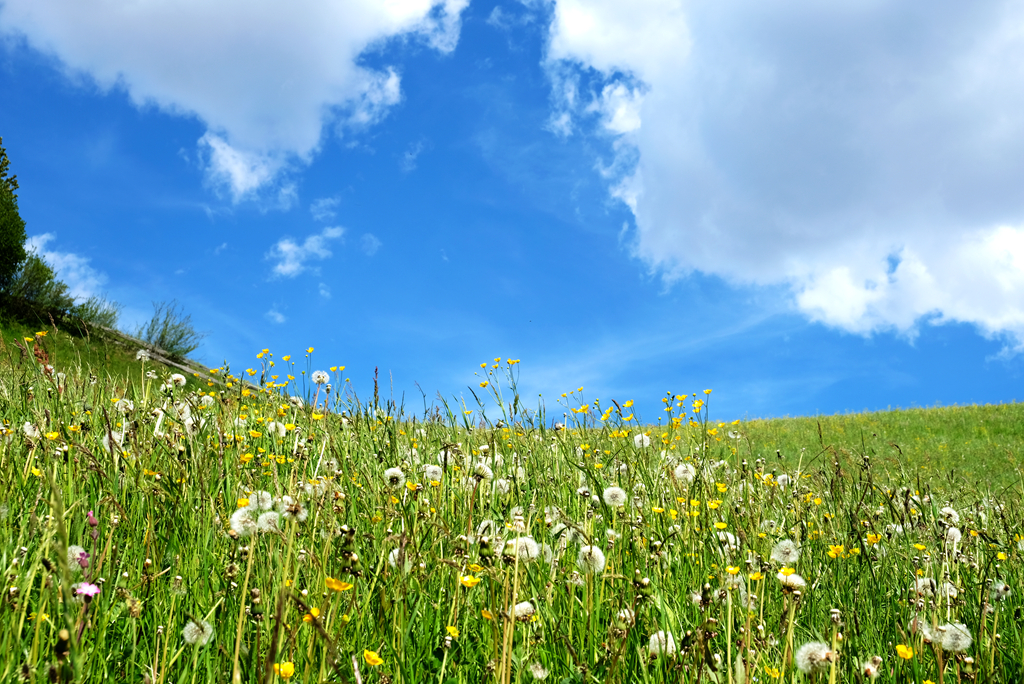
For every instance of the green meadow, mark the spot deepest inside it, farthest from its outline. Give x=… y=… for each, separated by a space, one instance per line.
x=266 y=524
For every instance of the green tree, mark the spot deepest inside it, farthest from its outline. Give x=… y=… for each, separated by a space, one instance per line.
x=36 y=284
x=12 y=227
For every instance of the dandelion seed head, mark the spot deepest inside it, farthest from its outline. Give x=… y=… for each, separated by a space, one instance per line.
x=786 y=552
x=197 y=633
x=615 y=497
x=955 y=637
x=661 y=644
x=591 y=560
x=320 y=377
x=814 y=657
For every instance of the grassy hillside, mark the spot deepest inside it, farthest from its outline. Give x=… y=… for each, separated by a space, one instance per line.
x=228 y=533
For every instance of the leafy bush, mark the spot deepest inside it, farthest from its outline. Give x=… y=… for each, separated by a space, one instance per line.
x=171 y=330
x=99 y=311
x=12 y=226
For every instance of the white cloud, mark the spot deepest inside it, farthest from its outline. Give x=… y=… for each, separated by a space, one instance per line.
x=869 y=155
x=370 y=244
x=83 y=280
x=263 y=77
x=408 y=162
x=324 y=209
x=275 y=316
x=291 y=256
x=325 y=291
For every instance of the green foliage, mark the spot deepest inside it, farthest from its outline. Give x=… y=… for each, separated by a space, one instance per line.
x=100 y=311
x=281 y=530
x=12 y=226
x=171 y=330
x=35 y=283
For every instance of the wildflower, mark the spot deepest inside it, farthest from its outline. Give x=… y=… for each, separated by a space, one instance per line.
x=904 y=651
x=372 y=658
x=949 y=515
x=614 y=497
x=261 y=500
x=142 y=355
x=243 y=521
x=320 y=377
x=337 y=585
x=87 y=590
x=284 y=670
x=78 y=558
x=432 y=473
x=661 y=643
x=398 y=557
x=871 y=668
x=30 y=430
x=640 y=440
x=626 y=617
x=276 y=429
x=1000 y=591
x=197 y=633
x=923 y=586
x=394 y=477
x=791 y=580
x=955 y=637
x=591 y=560
x=296 y=402
x=482 y=472
x=814 y=656
x=538 y=671
x=524 y=610
x=782 y=480
x=953 y=536
x=177 y=379
x=526 y=547
x=684 y=472
x=268 y=521
x=786 y=552
x=290 y=509
x=469 y=581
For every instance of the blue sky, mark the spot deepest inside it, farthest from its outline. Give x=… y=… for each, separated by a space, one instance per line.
x=808 y=208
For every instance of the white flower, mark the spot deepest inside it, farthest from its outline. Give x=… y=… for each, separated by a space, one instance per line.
x=923 y=586
x=261 y=500
x=197 y=633
x=276 y=429
x=871 y=667
x=296 y=402
x=142 y=355
x=481 y=471
x=178 y=380
x=394 y=477
x=290 y=509
x=502 y=486
x=527 y=548
x=614 y=497
x=949 y=515
x=813 y=657
x=662 y=643
x=1000 y=591
x=953 y=536
x=792 y=581
x=786 y=552
x=591 y=560
x=112 y=437
x=432 y=473
x=243 y=521
x=269 y=521
x=538 y=671
x=320 y=377
x=684 y=472
x=125 y=405
x=640 y=440
x=782 y=480
x=397 y=557
x=955 y=637
x=30 y=430
x=523 y=610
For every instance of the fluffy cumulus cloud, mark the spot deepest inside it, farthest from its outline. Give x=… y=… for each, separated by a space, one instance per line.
x=291 y=258
x=73 y=270
x=264 y=77
x=867 y=155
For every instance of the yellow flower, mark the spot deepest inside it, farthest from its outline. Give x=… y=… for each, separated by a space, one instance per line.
x=30 y=339
x=289 y=426
x=721 y=525
x=786 y=572
x=52 y=435
x=835 y=551
x=285 y=670
x=484 y=383
x=755 y=576
x=920 y=547
x=243 y=502
x=309 y=351
x=487 y=615
x=372 y=658
x=874 y=538
x=469 y=581
x=245 y=458
x=254 y=433
x=37 y=472
x=337 y=585
x=1001 y=556
x=286 y=358
x=904 y=651
x=453 y=632
x=317 y=416
x=732 y=570
x=475 y=568
x=707 y=391
x=313 y=613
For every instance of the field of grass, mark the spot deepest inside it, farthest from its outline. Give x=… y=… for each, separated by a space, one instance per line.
x=160 y=532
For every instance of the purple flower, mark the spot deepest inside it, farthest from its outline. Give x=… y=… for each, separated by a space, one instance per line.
x=87 y=590
x=93 y=522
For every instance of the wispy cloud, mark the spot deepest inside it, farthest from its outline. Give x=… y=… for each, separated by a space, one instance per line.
x=83 y=280
x=370 y=244
x=291 y=256
x=275 y=316
x=325 y=291
x=324 y=209
x=408 y=162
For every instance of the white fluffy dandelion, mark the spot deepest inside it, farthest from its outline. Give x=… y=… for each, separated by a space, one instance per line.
x=1000 y=591
x=320 y=377
x=949 y=515
x=792 y=580
x=786 y=552
x=433 y=473
x=661 y=644
x=640 y=440
x=243 y=521
x=394 y=477
x=268 y=522
x=955 y=637
x=684 y=473
x=615 y=497
x=197 y=633
x=591 y=560
x=814 y=657
x=523 y=610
